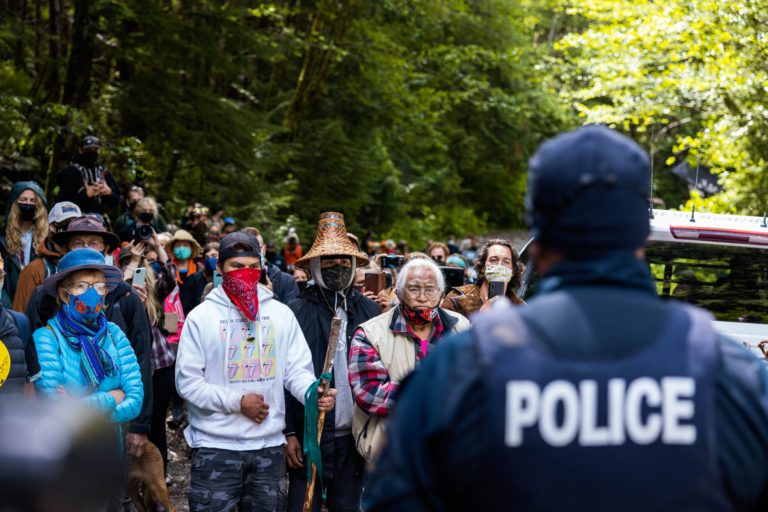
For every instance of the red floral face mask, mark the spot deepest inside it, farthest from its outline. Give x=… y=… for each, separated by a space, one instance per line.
x=241 y=286
x=419 y=316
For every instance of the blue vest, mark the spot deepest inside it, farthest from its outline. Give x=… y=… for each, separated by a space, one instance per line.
x=631 y=433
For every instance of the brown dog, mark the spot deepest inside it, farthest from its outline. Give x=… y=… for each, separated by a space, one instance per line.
x=146 y=481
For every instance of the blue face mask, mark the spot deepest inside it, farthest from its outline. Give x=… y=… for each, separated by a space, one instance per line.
x=182 y=253
x=86 y=307
x=210 y=264
x=156 y=267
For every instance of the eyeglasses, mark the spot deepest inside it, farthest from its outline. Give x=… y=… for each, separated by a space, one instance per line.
x=81 y=287
x=79 y=244
x=430 y=292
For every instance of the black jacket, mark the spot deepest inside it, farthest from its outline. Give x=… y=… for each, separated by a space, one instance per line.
x=72 y=188
x=124 y=309
x=10 y=336
x=12 y=270
x=283 y=285
x=191 y=291
x=315 y=320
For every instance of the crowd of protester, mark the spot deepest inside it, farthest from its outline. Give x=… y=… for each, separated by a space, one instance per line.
x=149 y=321
x=304 y=377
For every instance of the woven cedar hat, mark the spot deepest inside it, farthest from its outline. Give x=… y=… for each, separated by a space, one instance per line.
x=332 y=240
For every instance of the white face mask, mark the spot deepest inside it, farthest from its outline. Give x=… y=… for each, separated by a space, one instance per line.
x=498 y=273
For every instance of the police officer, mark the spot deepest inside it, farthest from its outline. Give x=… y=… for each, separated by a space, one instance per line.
x=597 y=396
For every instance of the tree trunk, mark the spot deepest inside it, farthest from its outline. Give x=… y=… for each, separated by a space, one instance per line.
x=38 y=37
x=77 y=83
x=63 y=29
x=21 y=27
x=52 y=91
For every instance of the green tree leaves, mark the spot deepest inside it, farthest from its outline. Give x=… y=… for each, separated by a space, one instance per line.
x=415 y=118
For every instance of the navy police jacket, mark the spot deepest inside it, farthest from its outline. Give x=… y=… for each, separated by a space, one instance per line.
x=597 y=396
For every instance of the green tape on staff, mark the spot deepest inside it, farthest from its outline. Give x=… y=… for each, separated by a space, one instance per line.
x=311 y=443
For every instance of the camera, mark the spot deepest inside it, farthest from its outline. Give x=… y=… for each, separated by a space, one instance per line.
x=144 y=233
x=392 y=261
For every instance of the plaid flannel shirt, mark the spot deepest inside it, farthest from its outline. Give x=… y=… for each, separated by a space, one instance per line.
x=368 y=377
x=163 y=354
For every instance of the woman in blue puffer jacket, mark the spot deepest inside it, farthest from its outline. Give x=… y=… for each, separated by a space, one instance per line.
x=82 y=355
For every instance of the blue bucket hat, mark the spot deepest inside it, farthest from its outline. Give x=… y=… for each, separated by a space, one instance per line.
x=588 y=193
x=82 y=259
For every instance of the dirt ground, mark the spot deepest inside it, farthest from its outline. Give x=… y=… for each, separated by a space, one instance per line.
x=178 y=469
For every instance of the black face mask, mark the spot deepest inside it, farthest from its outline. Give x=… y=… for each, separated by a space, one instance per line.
x=336 y=278
x=89 y=159
x=302 y=286
x=27 y=212
x=146 y=217
x=132 y=205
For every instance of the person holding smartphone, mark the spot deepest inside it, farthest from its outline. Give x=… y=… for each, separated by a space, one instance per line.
x=86 y=182
x=499 y=271
x=152 y=288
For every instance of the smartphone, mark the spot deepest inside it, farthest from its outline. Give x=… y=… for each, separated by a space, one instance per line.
x=496 y=288
x=388 y=280
x=392 y=261
x=374 y=282
x=139 y=276
x=217 y=279
x=454 y=276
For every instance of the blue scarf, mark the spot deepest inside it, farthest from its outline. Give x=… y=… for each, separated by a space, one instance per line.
x=95 y=362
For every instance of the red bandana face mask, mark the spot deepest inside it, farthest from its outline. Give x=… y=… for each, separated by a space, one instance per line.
x=241 y=286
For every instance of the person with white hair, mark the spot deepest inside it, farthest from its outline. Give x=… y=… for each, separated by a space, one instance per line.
x=390 y=346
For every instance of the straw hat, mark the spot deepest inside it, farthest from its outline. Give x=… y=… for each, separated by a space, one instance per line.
x=332 y=240
x=182 y=235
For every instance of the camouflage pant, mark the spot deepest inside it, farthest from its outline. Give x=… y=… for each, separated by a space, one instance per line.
x=248 y=481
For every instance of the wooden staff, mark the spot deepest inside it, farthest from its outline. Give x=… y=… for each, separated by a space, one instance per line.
x=330 y=354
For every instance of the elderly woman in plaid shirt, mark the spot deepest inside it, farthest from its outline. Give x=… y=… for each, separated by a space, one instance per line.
x=388 y=347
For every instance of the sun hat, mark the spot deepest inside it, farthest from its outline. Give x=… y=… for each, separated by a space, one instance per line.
x=63 y=211
x=82 y=259
x=87 y=225
x=332 y=240
x=182 y=235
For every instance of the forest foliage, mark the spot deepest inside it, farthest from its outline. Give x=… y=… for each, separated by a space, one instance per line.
x=416 y=118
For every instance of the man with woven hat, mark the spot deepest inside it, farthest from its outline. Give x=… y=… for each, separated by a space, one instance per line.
x=122 y=306
x=331 y=262
x=185 y=250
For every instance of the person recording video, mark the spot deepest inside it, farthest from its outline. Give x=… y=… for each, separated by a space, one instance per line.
x=499 y=271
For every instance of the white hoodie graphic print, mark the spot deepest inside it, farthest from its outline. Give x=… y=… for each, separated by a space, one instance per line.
x=223 y=356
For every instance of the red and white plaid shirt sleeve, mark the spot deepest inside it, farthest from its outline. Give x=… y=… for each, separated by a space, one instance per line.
x=369 y=378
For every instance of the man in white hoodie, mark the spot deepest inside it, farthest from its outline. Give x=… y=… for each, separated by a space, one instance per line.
x=238 y=350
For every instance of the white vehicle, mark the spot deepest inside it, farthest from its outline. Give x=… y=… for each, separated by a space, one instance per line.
x=717 y=262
